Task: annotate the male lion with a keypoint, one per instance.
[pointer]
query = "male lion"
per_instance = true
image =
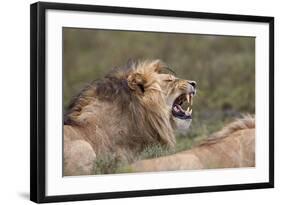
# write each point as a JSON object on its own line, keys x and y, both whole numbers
{"x": 233, "y": 146}
{"x": 128, "y": 110}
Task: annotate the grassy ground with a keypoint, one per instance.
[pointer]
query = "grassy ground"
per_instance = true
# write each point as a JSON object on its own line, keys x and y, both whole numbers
{"x": 223, "y": 66}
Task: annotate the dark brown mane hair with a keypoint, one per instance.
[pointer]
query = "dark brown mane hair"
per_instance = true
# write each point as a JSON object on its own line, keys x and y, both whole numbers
{"x": 113, "y": 87}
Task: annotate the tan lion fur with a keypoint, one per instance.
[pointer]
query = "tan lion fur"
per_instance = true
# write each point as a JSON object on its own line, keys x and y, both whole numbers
{"x": 119, "y": 115}
{"x": 233, "y": 146}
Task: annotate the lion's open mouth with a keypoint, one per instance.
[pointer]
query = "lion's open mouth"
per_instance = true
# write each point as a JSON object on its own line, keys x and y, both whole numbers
{"x": 182, "y": 106}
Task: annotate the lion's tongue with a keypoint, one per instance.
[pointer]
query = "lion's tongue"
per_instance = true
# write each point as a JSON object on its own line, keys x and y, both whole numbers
{"x": 178, "y": 108}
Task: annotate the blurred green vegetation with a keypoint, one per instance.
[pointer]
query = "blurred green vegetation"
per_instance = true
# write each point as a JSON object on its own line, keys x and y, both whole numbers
{"x": 223, "y": 66}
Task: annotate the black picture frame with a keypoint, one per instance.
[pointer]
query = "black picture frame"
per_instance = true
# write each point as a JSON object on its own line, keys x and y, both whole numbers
{"x": 38, "y": 101}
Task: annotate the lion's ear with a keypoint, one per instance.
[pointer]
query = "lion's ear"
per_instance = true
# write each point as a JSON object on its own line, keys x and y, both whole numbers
{"x": 157, "y": 65}
{"x": 136, "y": 82}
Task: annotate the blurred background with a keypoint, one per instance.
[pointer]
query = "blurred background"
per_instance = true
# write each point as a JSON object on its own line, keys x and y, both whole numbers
{"x": 223, "y": 66}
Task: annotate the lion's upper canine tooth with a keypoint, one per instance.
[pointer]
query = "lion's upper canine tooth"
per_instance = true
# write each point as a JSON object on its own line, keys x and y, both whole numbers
{"x": 191, "y": 100}
{"x": 187, "y": 97}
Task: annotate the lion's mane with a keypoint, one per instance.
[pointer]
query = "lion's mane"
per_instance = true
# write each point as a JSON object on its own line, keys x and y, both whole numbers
{"x": 121, "y": 114}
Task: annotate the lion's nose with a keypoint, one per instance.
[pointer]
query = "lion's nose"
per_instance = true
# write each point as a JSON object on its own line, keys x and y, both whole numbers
{"x": 193, "y": 83}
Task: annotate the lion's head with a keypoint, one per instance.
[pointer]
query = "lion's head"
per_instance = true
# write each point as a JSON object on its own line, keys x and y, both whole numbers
{"x": 163, "y": 92}
{"x": 139, "y": 103}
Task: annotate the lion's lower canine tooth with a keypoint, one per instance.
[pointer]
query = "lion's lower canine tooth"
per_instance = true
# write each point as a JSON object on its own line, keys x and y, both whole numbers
{"x": 190, "y": 112}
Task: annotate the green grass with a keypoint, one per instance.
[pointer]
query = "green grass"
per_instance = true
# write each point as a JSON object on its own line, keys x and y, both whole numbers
{"x": 154, "y": 151}
{"x": 108, "y": 164}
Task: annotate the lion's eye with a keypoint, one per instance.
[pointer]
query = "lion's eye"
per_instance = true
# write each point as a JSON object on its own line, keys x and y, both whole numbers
{"x": 166, "y": 77}
{"x": 168, "y": 80}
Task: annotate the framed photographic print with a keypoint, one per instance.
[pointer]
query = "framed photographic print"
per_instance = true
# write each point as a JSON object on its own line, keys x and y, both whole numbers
{"x": 129, "y": 102}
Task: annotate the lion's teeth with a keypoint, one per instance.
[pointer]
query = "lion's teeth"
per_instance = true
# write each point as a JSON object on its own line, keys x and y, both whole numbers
{"x": 187, "y": 97}
{"x": 188, "y": 111}
{"x": 191, "y": 100}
